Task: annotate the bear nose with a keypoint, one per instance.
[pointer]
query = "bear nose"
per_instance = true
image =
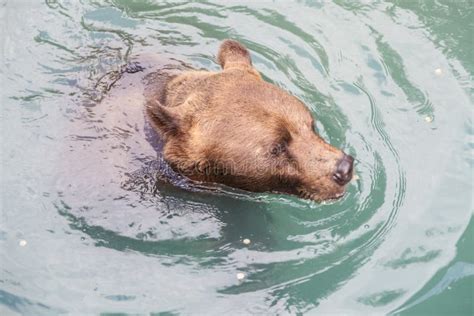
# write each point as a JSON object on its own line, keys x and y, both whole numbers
{"x": 343, "y": 172}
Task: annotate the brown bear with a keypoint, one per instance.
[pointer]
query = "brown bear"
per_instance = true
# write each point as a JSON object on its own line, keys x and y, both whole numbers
{"x": 232, "y": 127}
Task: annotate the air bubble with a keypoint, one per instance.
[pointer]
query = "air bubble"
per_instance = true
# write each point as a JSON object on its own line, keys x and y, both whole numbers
{"x": 240, "y": 276}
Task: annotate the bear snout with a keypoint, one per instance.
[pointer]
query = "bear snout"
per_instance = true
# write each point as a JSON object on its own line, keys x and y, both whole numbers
{"x": 344, "y": 168}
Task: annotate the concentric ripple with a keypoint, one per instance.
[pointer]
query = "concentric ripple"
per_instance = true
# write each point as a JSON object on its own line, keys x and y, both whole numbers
{"x": 100, "y": 231}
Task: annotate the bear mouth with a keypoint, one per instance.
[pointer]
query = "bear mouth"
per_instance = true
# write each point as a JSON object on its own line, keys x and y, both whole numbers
{"x": 319, "y": 196}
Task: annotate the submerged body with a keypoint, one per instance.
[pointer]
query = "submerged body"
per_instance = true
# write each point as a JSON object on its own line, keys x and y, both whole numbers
{"x": 234, "y": 128}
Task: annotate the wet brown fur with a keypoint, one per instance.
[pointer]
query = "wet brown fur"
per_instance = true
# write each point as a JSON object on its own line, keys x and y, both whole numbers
{"x": 234, "y": 128}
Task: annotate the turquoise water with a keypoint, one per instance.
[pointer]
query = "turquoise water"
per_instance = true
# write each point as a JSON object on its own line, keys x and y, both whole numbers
{"x": 86, "y": 229}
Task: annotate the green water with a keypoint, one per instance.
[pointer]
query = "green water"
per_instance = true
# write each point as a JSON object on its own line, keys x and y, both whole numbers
{"x": 86, "y": 230}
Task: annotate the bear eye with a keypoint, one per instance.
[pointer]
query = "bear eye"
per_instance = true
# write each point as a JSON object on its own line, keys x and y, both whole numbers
{"x": 278, "y": 149}
{"x": 313, "y": 126}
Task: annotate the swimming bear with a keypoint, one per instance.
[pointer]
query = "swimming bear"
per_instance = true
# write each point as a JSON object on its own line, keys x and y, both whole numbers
{"x": 234, "y": 128}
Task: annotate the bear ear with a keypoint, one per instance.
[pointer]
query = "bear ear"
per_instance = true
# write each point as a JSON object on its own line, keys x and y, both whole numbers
{"x": 166, "y": 122}
{"x": 233, "y": 54}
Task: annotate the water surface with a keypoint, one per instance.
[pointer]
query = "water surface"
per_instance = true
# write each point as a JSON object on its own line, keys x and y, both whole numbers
{"x": 85, "y": 228}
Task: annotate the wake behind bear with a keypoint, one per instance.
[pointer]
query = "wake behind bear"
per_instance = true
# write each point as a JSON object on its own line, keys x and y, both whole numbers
{"x": 232, "y": 127}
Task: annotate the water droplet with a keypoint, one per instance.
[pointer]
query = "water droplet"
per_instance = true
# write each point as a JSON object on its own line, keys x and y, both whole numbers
{"x": 438, "y": 71}
{"x": 429, "y": 119}
{"x": 22, "y": 243}
{"x": 246, "y": 241}
{"x": 240, "y": 276}
{"x": 366, "y": 226}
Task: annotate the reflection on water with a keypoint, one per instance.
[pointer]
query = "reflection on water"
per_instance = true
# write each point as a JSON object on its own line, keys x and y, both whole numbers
{"x": 390, "y": 83}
